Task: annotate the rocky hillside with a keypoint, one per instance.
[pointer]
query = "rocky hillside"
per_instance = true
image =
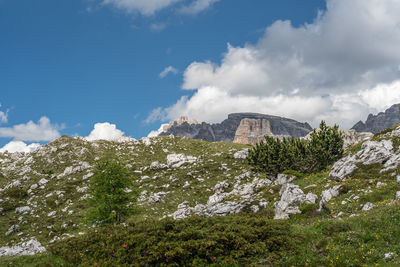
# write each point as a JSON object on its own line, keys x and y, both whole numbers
{"x": 379, "y": 122}
{"x": 245, "y": 128}
{"x": 43, "y": 193}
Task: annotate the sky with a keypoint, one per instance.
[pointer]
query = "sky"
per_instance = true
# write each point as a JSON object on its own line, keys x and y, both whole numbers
{"x": 101, "y": 69}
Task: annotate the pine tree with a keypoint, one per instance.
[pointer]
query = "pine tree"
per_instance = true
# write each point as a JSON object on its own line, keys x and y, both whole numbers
{"x": 274, "y": 156}
{"x": 109, "y": 197}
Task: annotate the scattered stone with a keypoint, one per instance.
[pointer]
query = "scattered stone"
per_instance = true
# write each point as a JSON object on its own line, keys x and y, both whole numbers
{"x": 368, "y": 206}
{"x": 242, "y": 154}
{"x": 177, "y": 160}
{"x": 263, "y": 204}
{"x": 34, "y": 186}
{"x": 186, "y": 185}
{"x": 157, "y": 166}
{"x": 389, "y": 255}
{"x": 255, "y": 208}
{"x": 23, "y": 210}
{"x": 156, "y": 197}
{"x": 284, "y": 179}
{"x": 397, "y": 195}
{"x": 51, "y": 214}
{"x": 379, "y": 184}
{"x": 220, "y": 187}
{"x": 43, "y": 181}
{"x": 13, "y": 229}
{"x": 328, "y": 195}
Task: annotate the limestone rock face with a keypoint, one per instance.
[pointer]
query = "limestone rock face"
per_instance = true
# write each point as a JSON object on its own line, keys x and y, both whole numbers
{"x": 379, "y": 122}
{"x": 227, "y": 130}
{"x": 252, "y": 131}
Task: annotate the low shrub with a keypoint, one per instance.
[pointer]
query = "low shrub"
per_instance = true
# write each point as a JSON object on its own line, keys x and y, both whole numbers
{"x": 232, "y": 240}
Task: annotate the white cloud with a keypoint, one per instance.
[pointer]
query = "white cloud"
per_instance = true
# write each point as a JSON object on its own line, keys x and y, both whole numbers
{"x": 197, "y": 6}
{"x": 104, "y": 131}
{"x": 338, "y": 68}
{"x": 150, "y": 7}
{"x": 19, "y": 146}
{"x": 156, "y": 133}
{"x": 3, "y": 116}
{"x": 30, "y": 131}
{"x": 145, "y": 7}
{"x": 167, "y": 71}
{"x": 158, "y": 27}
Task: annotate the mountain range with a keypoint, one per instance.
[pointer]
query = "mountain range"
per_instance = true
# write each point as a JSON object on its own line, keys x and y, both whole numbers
{"x": 250, "y": 128}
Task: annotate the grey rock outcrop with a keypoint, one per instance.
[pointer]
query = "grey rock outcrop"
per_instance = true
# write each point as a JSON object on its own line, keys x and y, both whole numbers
{"x": 227, "y": 130}
{"x": 30, "y": 247}
{"x": 371, "y": 152}
{"x": 217, "y": 204}
{"x": 379, "y": 122}
{"x": 291, "y": 196}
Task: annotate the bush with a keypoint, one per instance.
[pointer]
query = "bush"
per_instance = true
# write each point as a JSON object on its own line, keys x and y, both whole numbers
{"x": 109, "y": 198}
{"x": 274, "y": 156}
{"x": 223, "y": 241}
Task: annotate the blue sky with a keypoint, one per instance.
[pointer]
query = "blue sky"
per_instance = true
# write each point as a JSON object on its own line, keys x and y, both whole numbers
{"x": 81, "y": 62}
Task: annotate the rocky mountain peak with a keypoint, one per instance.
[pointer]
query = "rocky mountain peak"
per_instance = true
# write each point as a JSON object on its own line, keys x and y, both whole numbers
{"x": 379, "y": 122}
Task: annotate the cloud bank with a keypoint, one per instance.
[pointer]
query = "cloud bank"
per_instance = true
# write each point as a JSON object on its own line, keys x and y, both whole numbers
{"x": 339, "y": 68}
{"x": 104, "y": 131}
{"x": 19, "y": 146}
{"x": 30, "y": 131}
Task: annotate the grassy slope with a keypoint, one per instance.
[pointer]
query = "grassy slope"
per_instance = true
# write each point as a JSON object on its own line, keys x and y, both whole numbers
{"x": 363, "y": 238}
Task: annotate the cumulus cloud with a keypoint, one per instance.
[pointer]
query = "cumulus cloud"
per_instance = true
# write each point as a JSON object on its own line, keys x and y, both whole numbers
{"x": 30, "y": 131}
{"x": 104, "y": 131}
{"x": 167, "y": 71}
{"x": 197, "y": 6}
{"x": 338, "y": 68}
{"x": 19, "y": 146}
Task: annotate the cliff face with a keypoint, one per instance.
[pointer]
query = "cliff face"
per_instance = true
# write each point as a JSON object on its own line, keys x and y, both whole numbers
{"x": 379, "y": 122}
{"x": 254, "y": 127}
{"x": 252, "y": 131}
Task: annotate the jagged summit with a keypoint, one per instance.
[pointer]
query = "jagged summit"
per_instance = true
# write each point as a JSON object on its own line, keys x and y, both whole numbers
{"x": 247, "y": 128}
{"x": 379, "y": 122}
